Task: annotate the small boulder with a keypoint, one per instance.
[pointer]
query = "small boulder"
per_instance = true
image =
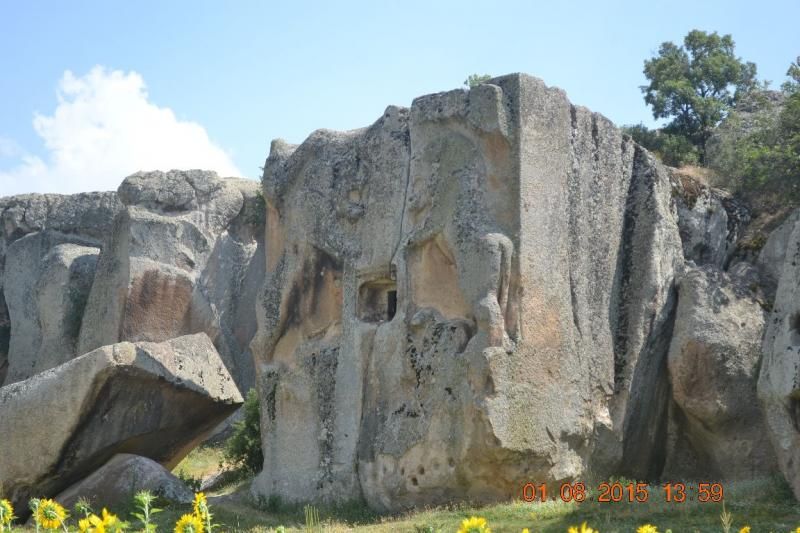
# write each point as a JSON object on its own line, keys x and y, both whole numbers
{"x": 113, "y": 485}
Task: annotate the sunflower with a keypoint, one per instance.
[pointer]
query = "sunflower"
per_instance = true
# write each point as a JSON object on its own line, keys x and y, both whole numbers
{"x": 189, "y": 523}
{"x": 91, "y": 524}
{"x": 201, "y": 506}
{"x": 583, "y": 529}
{"x": 6, "y": 513}
{"x": 745, "y": 529}
{"x": 50, "y": 514}
{"x": 474, "y": 524}
{"x": 647, "y": 528}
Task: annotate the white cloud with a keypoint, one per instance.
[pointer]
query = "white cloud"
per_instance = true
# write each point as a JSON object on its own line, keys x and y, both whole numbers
{"x": 104, "y": 129}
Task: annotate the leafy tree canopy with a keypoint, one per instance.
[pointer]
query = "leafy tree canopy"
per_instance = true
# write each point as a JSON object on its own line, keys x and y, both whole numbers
{"x": 696, "y": 84}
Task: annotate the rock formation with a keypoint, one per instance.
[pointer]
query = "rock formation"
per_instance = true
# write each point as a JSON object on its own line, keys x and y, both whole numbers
{"x": 82, "y": 220}
{"x": 717, "y": 427}
{"x": 149, "y": 399}
{"x": 491, "y": 287}
{"x": 181, "y": 258}
{"x": 462, "y": 297}
{"x": 112, "y": 484}
{"x": 171, "y": 254}
{"x": 779, "y": 381}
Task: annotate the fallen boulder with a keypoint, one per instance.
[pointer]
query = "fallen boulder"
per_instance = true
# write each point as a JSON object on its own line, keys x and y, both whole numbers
{"x": 114, "y": 484}
{"x": 157, "y": 400}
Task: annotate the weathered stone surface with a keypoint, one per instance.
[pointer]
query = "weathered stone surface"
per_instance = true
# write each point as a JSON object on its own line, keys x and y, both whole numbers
{"x": 83, "y": 218}
{"x": 717, "y": 427}
{"x": 47, "y": 280}
{"x": 710, "y": 221}
{"x": 779, "y": 380}
{"x": 772, "y": 255}
{"x": 154, "y": 400}
{"x": 181, "y": 259}
{"x": 113, "y": 485}
{"x": 462, "y": 297}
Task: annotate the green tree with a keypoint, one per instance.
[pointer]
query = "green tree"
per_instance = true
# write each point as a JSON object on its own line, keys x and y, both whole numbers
{"x": 758, "y": 149}
{"x": 243, "y": 448}
{"x": 473, "y": 80}
{"x": 696, "y": 84}
{"x": 674, "y": 150}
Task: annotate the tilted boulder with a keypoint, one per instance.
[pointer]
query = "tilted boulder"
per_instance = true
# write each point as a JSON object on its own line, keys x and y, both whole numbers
{"x": 113, "y": 485}
{"x": 181, "y": 259}
{"x": 717, "y": 427}
{"x": 779, "y": 380}
{"x": 465, "y": 296}
{"x": 158, "y": 400}
{"x": 83, "y": 219}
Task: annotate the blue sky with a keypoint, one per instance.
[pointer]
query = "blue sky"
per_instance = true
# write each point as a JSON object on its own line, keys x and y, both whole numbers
{"x": 202, "y": 83}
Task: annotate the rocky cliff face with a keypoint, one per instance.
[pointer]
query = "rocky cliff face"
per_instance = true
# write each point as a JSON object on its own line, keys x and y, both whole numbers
{"x": 489, "y": 288}
{"x": 482, "y": 290}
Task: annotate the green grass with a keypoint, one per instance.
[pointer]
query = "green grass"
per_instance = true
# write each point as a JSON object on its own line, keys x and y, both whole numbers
{"x": 766, "y": 505}
{"x": 201, "y": 462}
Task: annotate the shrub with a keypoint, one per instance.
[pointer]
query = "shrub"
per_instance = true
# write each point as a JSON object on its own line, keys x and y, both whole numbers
{"x": 672, "y": 148}
{"x": 243, "y": 448}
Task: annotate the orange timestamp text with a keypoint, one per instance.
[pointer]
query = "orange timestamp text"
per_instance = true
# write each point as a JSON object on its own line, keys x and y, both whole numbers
{"x": 629, "y": 492}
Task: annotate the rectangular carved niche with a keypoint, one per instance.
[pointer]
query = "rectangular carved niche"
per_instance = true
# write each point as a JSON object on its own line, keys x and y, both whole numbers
{"x": 377, "y": 300}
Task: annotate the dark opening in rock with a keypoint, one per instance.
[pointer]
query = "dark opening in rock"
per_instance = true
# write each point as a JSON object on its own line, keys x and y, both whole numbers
{"x": 377, "y": 300}
{"x": 794, "y": 325}
{"x": 391, "y": 304}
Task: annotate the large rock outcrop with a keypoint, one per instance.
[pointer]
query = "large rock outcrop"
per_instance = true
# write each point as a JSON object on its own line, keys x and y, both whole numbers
{"x": 154, "y": 400}
{"x": 82, "y": 220}
{"x": 779, "y": 380}
{"x": 717, "y": 426}
{"x": 462, "y": 297}
{"x": 181, "y": 258}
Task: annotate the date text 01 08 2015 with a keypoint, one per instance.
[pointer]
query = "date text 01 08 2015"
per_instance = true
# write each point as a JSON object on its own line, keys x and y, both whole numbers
{"x": 615, "y": 492}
